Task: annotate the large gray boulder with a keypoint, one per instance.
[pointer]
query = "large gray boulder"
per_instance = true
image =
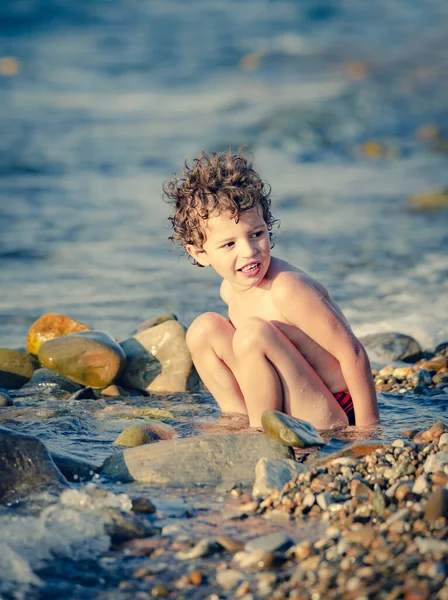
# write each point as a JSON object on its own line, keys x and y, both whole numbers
{"x": 205, "y": 459}
{"x": 389, "y": 346}
{"x": 157, "y": 358}
{"x": 26, "y": 468}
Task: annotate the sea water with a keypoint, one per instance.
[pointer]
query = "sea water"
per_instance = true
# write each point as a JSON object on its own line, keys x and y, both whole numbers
{"x": 104, "y": 100}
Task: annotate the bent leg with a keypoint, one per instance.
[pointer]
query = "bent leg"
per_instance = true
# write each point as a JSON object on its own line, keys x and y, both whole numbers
{"x": 209, "y": 340}
{"x": 273, "y": 374}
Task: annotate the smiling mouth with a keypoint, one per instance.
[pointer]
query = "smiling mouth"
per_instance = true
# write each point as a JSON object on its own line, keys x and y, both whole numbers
{"x": 250, "y": 268}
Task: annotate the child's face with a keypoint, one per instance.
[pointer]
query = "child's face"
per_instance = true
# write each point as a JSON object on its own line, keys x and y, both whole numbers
{"x": 238, "y": 251}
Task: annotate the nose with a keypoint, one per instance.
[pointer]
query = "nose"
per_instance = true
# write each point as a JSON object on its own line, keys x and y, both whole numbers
{"x": 247, "y": 248}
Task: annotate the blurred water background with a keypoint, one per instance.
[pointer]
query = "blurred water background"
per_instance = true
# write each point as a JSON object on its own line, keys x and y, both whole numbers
{"x": 100, "y": 101}
{"x": 344, "y": 107}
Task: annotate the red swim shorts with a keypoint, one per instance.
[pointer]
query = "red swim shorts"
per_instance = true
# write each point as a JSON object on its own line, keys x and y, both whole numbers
{"x": 346, "y": 403}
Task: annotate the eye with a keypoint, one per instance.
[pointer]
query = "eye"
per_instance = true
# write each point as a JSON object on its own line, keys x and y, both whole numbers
{"x": 228, "y": 245}
{"x": 258, "y": 234}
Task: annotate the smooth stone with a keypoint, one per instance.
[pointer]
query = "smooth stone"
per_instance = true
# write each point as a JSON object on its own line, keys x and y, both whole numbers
{"x": 443, "y": 440}
{"x": 421, "y": 485}
{"x": 5, "y": 400}
{"x": 436, "y": 462}
{"x": 164, "y": 343}
{"x": 26, "y": 413}
{"x": 155, "y": 321}
{"x": 52, "y": 381}
{"x": 205, "y": 459}
{"x": 431, "y": 545}
{"x": 143, "y": 506}
{"x": 148, "y": 433}
{"x": 16, "y": 368}
{"x": 290, "y": 431}
{"x": 437, "y": 505}
{"x": 229, "y": 578}
{"x": 273, "y": 542}
{"x": 124, "y": 411}
{"x": 272, "y": 475}
{"x": 256, "y": 559}
{"x": 91, "y": 358}
{"x": 26, "y": 468}
{"x": 86, "y": 393}
{"x": 204, "y": 547}
{"x": 49, "y": 327}
{"x": 74, "y": 468}
{"x": 391, "y": 345}
{"x": 122, "y": 526}
{"x": 352, "y": 451}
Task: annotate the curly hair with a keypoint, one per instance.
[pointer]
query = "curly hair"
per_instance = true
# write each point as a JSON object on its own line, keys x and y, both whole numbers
{"x": 212, "y": 185}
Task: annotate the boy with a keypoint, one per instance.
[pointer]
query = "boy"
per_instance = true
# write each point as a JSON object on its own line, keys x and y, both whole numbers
{"x": 286, "y": 345}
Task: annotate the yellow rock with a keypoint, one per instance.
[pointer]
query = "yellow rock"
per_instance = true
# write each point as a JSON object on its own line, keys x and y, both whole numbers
{"x": 435, "y": 364}
{"x": 124, "y": 411}
{"x": 386, "y": 371}
{"x": 91, "y": 358}
{"x": 430, "y": 200}
{"x": 148, "y": 433}
{"x": 16, "y": 368}
{"x": 51, "y": 326}
{"x": 402, "y": 372}
{"x": 373, "y": 149}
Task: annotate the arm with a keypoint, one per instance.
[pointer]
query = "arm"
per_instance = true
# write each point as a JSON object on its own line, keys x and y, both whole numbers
{"x": 306, "y": 308}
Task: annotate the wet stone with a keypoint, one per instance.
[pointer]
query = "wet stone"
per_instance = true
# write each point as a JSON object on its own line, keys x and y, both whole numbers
{"x": 275, "y": 542}
{"x": 207, "y": 459}
{"x": 391, "y": 346}
{"x": 290, "y": 431}
{"x": 273, "y": 474}
{"x": 16, "y": 368}
{"x": 51, "y": 326}
{"x": 148, "y": 433}
{"x": 158, "y": 360}
{"x": 26, "y": 468}
{"x": 46, "y": 379}
{"x": 5, "y": 400}
{"x": 91, "y": 358}
{"x": 437, "y": 505}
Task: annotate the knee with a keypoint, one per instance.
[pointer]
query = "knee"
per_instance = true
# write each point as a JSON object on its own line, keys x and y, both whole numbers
{"x": 251, "y": 336}
{"x": 202, "y": 330}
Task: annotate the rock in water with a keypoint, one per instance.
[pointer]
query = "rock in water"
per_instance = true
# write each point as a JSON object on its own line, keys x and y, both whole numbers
{"x": 88, "y": 357}
{"x": 205, "y": 459}
{"x": 387, "y": 346}
{"x": 157, "y": 359}
{"x": 289, "y": 430}
{"x": 51, "y": 326}
{"x": 137, "y": 435}
{"x": 46, "y": 379}
{"x": 26, "y": 468}
{"x": 74, "y": 468}
{"x": 16, "y": 368}
{"x": 272, "y": 475}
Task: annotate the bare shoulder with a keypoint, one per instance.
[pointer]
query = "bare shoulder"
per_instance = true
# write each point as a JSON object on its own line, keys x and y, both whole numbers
{"x": 287, "y": 280}
{"x": 225, "y": 291}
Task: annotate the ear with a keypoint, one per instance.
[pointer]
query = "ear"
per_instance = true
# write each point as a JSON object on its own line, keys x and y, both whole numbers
{"x": 199, "y": 254}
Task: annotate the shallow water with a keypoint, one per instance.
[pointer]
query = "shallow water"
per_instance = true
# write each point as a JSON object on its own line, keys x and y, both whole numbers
{"x": 109, "y": 99}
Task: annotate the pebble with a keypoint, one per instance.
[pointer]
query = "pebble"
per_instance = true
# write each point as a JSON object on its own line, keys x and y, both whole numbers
{"x": 274, "y": 542}
{"x": 389, "y": 508}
